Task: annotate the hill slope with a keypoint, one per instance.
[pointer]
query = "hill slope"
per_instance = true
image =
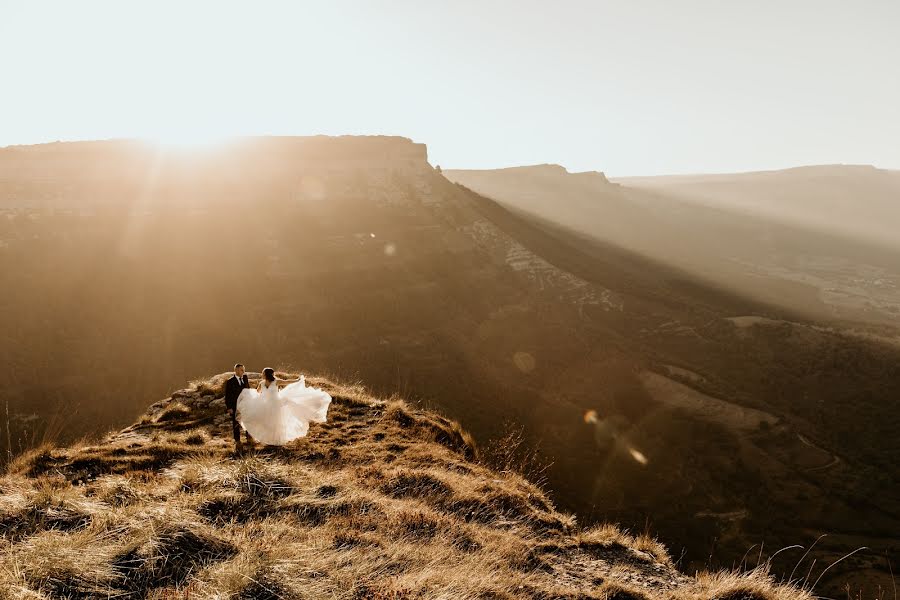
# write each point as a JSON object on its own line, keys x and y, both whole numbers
{"x": 354, "y": 256}
{"x": 818, "y": 240}
{"x": 383, "y": 501}
{"x": 857, "y": 201}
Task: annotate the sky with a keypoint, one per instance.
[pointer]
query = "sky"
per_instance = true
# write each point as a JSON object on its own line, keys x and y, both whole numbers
{"x": 636, "y": 87}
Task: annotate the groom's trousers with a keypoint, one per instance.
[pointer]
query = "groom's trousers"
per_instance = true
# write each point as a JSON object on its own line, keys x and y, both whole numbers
{"x": 235, "y": 427}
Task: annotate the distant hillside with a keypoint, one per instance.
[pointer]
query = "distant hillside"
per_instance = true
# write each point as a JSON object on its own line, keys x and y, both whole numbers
{"x": 855, "y": 201}
{"x": 383, "y": 501}
{"x": 818, "y": 241}
{"x": 653, "y": 395}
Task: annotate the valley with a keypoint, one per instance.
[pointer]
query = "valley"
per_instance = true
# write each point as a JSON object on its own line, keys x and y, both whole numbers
{"x": 794, "y": 238}
{"x": 717, "y": 413}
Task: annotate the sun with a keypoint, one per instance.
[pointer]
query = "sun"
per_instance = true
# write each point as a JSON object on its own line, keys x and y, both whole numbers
{"x": 188, "y": 140}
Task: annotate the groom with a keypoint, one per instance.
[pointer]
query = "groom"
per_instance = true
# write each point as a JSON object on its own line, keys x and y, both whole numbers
{"x": 233, "y": 388}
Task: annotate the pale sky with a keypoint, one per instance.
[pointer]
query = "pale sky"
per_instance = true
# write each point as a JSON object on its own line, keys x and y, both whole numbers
{"x": 636, "y": 87}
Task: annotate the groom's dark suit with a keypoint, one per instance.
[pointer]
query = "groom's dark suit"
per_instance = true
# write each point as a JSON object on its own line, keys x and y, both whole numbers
{"x": 233, "y": 388}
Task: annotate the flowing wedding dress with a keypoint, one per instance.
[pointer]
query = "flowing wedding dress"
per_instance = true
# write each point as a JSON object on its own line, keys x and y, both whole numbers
{"x": 276, "y": 417}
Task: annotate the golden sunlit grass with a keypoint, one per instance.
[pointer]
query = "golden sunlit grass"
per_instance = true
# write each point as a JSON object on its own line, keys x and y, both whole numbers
{"x": 753, "y": 585}
{"x": 383, "y": 501}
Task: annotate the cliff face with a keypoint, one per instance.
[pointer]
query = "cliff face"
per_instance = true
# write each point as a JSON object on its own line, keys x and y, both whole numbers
{"x": 120, "y": 173}
{"x": 533, "y": 182}
{"x": 383, "y": 501}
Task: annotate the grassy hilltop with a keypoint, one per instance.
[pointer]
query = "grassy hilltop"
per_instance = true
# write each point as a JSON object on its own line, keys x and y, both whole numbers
{"x": 383, "y": 501}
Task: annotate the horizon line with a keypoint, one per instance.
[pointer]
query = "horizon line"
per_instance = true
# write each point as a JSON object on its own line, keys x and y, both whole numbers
{"x": 213, "y": 141}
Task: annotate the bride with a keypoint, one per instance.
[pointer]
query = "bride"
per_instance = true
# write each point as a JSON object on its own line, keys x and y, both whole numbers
{"x": 276, "y": 417}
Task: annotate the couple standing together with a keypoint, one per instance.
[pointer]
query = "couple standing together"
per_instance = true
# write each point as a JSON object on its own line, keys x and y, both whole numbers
{"x": 270, "y": 415}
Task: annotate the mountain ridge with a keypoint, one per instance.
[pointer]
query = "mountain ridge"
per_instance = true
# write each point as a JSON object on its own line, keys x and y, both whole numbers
{"x": 813, "y": 169}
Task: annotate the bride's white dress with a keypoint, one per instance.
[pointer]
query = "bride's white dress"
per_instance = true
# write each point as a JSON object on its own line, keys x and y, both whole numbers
{"x": 276, "y": 417}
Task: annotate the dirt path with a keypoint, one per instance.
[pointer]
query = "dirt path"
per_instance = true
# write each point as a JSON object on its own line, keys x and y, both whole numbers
{"x": 834, "y": 458}
{"x": 678, "y": 395}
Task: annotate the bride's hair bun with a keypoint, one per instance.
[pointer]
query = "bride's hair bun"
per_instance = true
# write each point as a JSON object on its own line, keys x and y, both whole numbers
{"x": 269, "y": 374}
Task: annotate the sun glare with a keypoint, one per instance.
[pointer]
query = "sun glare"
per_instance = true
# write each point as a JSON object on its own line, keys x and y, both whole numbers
{"x": 188, "y": 141}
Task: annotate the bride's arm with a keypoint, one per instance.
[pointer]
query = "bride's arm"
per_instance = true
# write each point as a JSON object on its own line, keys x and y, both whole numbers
{"x": 289, "y": 381}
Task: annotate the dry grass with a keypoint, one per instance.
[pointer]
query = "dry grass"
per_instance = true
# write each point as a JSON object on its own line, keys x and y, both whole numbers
{"x": 383, "y": 501}
{"x": 752, "y": 585}
{"x": 605, "y": 538}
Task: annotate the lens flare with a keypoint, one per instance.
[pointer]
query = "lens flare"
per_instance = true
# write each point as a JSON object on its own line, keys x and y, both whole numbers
{"x": 638, "y": 456}
{"x": 524, "y": 361}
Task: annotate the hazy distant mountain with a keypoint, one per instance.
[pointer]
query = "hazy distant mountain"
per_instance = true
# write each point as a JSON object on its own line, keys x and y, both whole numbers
{"x": 656, "y": 394}
{"x": 816, "y": 240}
{"x": 857, "y": 201}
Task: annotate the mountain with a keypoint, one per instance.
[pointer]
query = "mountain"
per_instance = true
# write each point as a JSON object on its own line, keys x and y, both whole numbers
{"x": 383, "y": 501}
{"x": 816, "y": 240}
{"x": 652, "y": 395}
{"x": 855, "y": 201}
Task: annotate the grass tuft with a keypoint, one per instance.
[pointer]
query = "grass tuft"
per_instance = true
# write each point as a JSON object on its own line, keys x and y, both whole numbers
{"x": 176, "y": 411}
{"x": 421, "y": 485}
{"x": 168, "y": 557}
